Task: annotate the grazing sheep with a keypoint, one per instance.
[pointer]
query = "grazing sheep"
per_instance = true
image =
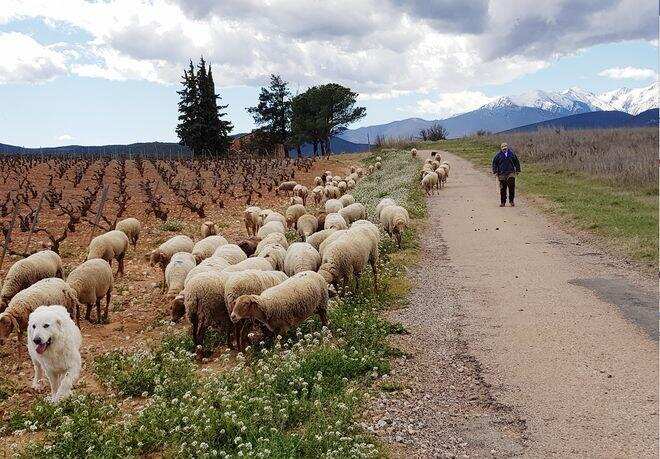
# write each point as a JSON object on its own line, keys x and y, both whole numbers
{"x": 209, "y": 265}
{"x": 317, "y": 194}
{"x": 273, "y": 238}
{"x": 301, "y": 191}
{"x": 350, "y": 184}
{"x": 353, "y": 212}
{"x": 27, "y": 271}
{"x": 208, "y": 229}
{"x": 306, "y": 225}
{"x": 176, "y": 271}
{"x": 286, "y": 187}
{"x": 274, "y": 217}
{"x": 295, "y": 200}
{"x": 377, "y": 166}
{"x": 332, "y": 192}
{"x": 413, "y": 152}
{"x": 110, "y": 246}
{"x": 317, "y": 238}
{"x": 378, "y": 159}
{"x": 161, "y": 256}
{"x": 253, "y": 220}
{"x": 207, "y": 247}
{"x": 336, "y": 221}
{"x": 250, "y": 263}
{"x": 382, "y": 204}
{"x": 231, "y": 253}
{"x": 318, "y": 181}
{"x": 349, "y": 254}
{"x": 347, "y": 200}
{"x": 435, "y": 165}
{"x": 301, "y": 256}
{"x": 330, "y": 239}
{"x": 274, "y": 254}
{"x": 93, "y": 281}
{"x": 249, "y": 245}
{"x": 131, "y": 228}
{"x": 320, "y": 218}
{"x": 287, "y": 304}
{"x": 370, "y": 170}
{"x": 342, "y": 186}
{"x": 45, "y": 292}
{"x": 293, "y": 213}
{"x": 271, "y": 227}
{"x": 429, "y": 182}
{"x": 395, "y": 220}
{"x": 333, "y": 205}
{"x": 204, "y": 303}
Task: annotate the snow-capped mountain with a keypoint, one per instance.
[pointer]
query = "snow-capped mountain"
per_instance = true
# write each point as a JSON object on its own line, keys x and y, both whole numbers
{"x": 633, "y": 101}
{"x": 570, "y": 101}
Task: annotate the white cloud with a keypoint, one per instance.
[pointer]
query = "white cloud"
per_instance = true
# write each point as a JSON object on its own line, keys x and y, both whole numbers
{"x": 64, "y": 137}
{"x": 633, "y": 73}
{"x": 450, "y": 104}
{"x": 24, "y": 60}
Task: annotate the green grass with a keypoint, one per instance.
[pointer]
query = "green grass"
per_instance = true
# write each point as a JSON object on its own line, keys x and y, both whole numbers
{"x": 626, "y": 220}
{"x": 172, "y": 225}
{"x": 299, "y": 396}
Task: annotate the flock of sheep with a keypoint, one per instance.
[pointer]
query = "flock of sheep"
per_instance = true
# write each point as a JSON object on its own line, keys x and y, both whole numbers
{"x": 434, "y": 173}
{"x": 259, "y": 286}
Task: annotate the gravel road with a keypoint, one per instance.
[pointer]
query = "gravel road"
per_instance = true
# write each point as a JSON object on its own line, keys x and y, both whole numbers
{"x": 523, "y": 340}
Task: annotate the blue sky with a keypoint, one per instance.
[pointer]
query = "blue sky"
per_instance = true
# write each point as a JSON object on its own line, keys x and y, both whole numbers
{"x": 89, "y": 73}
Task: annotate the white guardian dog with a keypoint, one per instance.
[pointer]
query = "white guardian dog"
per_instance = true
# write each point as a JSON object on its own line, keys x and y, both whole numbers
{"x": 54, "y": 345}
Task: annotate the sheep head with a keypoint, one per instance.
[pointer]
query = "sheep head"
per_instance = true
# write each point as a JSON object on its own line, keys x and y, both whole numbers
{"x": 178, "y": 308}
{"x": 7, "y": 325}
{"x": 245, "y": 306}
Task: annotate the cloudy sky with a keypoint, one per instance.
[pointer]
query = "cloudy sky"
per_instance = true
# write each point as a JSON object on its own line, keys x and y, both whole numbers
{"x": 97, "y": 72}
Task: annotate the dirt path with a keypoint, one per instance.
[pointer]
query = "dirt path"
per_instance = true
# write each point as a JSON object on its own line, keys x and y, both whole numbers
{"x": 523, "y": 340}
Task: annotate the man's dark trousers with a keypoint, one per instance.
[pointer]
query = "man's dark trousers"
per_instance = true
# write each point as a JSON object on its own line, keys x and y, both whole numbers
{"x": 510, "y": 183}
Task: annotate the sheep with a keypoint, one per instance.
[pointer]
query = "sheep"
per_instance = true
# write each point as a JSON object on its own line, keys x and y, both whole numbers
{"x": 347, "y": 200}
{"x": 204, "y": 303}
{"x": 295, "y": 200}
{"x": 332, "y": 192}
{"x": 429, "y": 182}
{"x": 273, "y": 238}
{"x": 413, "y": 152}
{"x": 378, "y": 159}
{"x": 317, "y": 194}
{"x": 231, "y": 253}
{"x": 352, "y": 169}
{"x": 253, "y": 220}
{"x": 302, "y": 192}
{"x": 131, "y": 228}
{"x": 370, "y": 170}
{"x": 161, "y": 256}
{"x": 46, "y": 292}
{"x": 377, "y": 166}
{"x": 287, "y": 304}
{"x": 395, "y": 220}
{"x": 301, "y": 256}
{"x": 353, "y": 212}
{"x": 92, "y": 281}
{"x": 176, "y": 271}
{"x": 27, "y": 271}
{"x": 382, "y": 204}
{"x": 349, "y": 254}
{"x": 317, "y": 238}
{"x": 286, "y": 187}
{"x": 435, "y": 165}
{"x": 333, "y": 205}
{"x": 441, "y": 172}
{"x": 212, "y": 264}
{"x": 342, "y": 187}
{"x": 274, "y": 217}
{"x": 208, "y": 229}
{"x": 336, "y": 221}
{"x": 249, "y": 245}
{"x": 330, "y": 239}
{"x": 271, "y": 227}
{"x": 320, "y": 218}
{"x": 206, "y": 247}
{"x": 293, "y": 213}
{"x": 318, "y": 181}
{"x": 110, "y": 246}
{"x": 275, "y": 255}
{"x": 250, "y": 263}
{"x": 306, "y": 225}
{"x": 350, "y": 184}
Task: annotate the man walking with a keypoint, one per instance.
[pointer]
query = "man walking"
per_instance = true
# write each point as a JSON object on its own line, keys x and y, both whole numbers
{"x": 506, "y": 166}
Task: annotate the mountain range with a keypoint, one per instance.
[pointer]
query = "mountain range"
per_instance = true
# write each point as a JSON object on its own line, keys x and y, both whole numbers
{"x": 509, "y": 112}
{"x": 595, "y": 120}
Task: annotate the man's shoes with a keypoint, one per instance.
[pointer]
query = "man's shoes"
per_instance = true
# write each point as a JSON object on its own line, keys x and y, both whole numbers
{"x": 502, "y": 205}
{"x": 512, "y": 204}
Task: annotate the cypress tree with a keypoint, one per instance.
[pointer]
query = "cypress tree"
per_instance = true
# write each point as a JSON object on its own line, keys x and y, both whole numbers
{"x": 188, "y": 128}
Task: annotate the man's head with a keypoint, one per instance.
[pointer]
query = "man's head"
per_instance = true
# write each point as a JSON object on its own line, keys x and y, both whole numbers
{"x": 504, "y": 146}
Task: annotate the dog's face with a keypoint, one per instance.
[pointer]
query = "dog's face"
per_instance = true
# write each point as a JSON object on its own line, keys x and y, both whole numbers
{"x": 42, "y": 331}
{"x": 243, "y": 307}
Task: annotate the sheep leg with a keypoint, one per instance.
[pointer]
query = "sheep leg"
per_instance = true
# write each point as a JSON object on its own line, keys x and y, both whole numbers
{"x": 88, "y": 314}
{"x": 37, "y": 381}
{"x": 120, "y": 269}
{"x": 98, "y": 310}
{"x": 374, "y": 268}
{"x": 59, "y": 273}
{"x": 323, "y": 315}
{"x": 356, "y": 275}
{"x": 107, "y": 305}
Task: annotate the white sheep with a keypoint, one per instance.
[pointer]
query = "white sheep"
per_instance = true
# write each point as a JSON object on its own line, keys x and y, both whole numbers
{"x": 27, "y": 271}
{"x": 287, "y": 304}
{"x": 295, "y": 200}
{"x": 318, "y": 181}
{"x": 306, "y": 225}
{"x": 350, "y": 184}
{"x": 382, "y": 204}
{"x": 293, "y": 213}
{"x": 330, "y": 239}
{"x": 273, "y": 238}
{"x": 395, "y": 220}
{"x": 286, "y": 187}
{"x": 274, "y": 254}
{"x": 301, "y": 191}
{"x": 301, "y": 256}
{"x": 333, "y": 205}
{"x": 208, "y": 228}
{"x": 441, "y": 172}
{"x": 413, "y": 152}
{"x": 269, "y": 216}
{"x": 378, "y": 159}
{"x": 204, "y": 305}
{"x": 318, "y": 237}
{"x": 45, "y": 292}
{"x": 176, "y": 271}
{"x": 250, "y": 263}
{"x": 93, "y": 281}
{"x": 347, "y": 200}
{"x": 131, "y": 227}
{"x": 336, "y": 221}
{"x": 271, "y": 227}
{"x": 377, "y": 166}
{"x": 212, "y": 264}
{"x": 353, "y": 212}
{"x": 231, "y": 253}
{"x": 110, "y": 246}
{"x": 429, "y": 182}
{"x": 206, "y": 247}
{"x": 161, "y": 255}
{"x": 318, "y": 194}
{"x": 253, "y": 220}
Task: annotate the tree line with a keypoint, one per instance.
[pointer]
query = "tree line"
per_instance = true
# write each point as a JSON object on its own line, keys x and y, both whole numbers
{"x": 284, "y": 121}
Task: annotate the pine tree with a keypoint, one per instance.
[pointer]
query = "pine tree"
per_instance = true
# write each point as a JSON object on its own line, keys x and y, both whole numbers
{"x": 188, "y": 129}
{"x": 273, "y": 113}
{"x": 219, "y": 128}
